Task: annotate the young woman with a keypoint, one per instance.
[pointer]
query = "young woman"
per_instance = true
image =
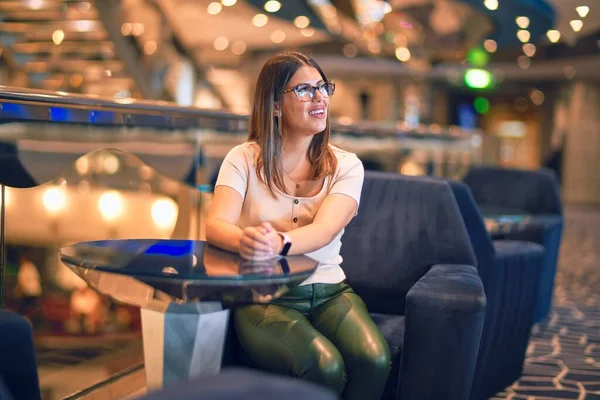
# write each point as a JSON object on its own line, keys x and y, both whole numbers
{"x": 288, "y": 191}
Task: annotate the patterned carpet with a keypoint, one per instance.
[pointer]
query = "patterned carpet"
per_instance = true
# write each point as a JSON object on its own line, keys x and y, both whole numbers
{"x": 563, "y": 358}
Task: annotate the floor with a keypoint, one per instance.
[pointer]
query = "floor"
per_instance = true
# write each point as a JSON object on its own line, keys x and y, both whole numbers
{"x": 66, "y": 367}
{"x": 563, "y": 358}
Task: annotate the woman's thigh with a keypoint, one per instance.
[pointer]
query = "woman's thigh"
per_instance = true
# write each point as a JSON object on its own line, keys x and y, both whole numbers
{"x": 282, "y": 340}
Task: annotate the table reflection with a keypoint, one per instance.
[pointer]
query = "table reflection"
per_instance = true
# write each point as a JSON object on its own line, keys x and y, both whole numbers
{"x": 499, "y": 225}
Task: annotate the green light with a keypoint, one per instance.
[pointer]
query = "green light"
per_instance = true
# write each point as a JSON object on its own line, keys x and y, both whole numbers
{"x": 478, "y": 57}
{"x": 482, "y": 105}
{"x": 478, "y": 78}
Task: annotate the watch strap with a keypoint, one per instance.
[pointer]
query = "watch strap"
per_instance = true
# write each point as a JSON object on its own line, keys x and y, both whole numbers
{"x": 287, "y": 243}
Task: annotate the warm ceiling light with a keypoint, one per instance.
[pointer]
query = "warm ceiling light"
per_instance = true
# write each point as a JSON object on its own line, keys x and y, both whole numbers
{"x": 260, "y": 20}
{"x": 491, "y": 4}
{"x": 582, "y": 11}
{"x": 524, "y": 62}
{"x": 54, "y": 200}
{"x": 529, "y": 49}
{"x": 576, "y": 24}
{"x": 58, "y": 36}
{"x": 272, "y": 6}
{"x": 350, "y": 50}
{"x": 35, "y": 4}
{"x": 553, "y": 35}
{"x": 111, "y": 205}
{"x": 126, "y": 29}
{"x": 301, "y": 21}
{"x": 214, "y": 8}
{"x": 138, "y": 29}
{"x": 307, "y": 32}
{"x": 490, "y": 45}
{"x": 570, "y": 72}
{"x": 164, "y": 213}
{"x": 403, "y": 54}
{"x": 76, "y": 80}
{"x": 374, "y": 46}
{"x": 238, "y": 48}
{"x": 537, "y": 97}
{"x": 228, "y": 3}
{"x": 150, "y": 47}
{"x": 524, "y": 35}
{"x": 84, "y": 25}
{"x": 387, "y": 8}
{"x": 221, "y": 43}
{"x": 277, "y": 36}
{"x": 522, "y": 22}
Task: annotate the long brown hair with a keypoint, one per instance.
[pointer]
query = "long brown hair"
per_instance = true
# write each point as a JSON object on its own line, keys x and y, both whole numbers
{"x": 266, "y": 128}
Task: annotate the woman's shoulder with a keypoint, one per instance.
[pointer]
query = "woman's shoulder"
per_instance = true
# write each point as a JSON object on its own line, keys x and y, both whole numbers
{"x": 246, "y": 150}
{"x": 346, "y": 159}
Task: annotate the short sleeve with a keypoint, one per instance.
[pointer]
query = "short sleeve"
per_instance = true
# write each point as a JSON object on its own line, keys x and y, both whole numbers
{"x": 234, "y": 171}
{"x": 350, "y": 176}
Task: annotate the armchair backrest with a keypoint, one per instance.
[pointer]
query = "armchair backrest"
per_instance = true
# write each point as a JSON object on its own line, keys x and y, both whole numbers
{"x": 404, "y": 226}
{"x": 506, "y": 190}
{"x": 483, "y": 247}
{"x": 12, "y": 172}
{"x": 18, "y": 370}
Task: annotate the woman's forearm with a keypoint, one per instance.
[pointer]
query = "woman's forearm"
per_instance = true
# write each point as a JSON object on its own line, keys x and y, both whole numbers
{"x": 223, "y": 235}
{"x": 310, "y": 238}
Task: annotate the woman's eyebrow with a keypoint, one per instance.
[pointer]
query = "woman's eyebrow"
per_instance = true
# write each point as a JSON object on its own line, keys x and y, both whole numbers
{"x": 306, "y": 83}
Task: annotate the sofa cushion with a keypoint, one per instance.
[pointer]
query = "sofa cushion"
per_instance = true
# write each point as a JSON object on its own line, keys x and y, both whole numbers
{"x": 241, "y": 383}
{"x": 392, "y": 328}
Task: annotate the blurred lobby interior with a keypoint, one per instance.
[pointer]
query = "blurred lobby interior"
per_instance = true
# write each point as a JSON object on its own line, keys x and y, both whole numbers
{"x": 115, "y": 116}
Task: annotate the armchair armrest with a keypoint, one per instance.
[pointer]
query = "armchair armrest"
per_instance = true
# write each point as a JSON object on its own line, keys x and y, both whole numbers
{"x": 444, "y": 313}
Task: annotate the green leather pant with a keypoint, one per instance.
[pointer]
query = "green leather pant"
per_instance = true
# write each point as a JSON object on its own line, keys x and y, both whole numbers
{"x": 319, "y": 332}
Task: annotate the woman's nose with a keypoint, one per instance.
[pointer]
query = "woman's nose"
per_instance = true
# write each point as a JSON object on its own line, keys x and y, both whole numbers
{"x": 318, "y": 96}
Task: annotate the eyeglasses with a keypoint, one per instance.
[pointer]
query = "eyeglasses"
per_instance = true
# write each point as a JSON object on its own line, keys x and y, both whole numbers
{"x": 306, "y": 92}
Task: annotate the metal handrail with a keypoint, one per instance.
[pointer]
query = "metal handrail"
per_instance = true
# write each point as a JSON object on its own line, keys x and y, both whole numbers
{"x": 50, "y": 106}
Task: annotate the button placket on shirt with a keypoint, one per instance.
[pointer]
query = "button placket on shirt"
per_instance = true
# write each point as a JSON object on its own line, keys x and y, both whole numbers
{"x": 295, "y": 212}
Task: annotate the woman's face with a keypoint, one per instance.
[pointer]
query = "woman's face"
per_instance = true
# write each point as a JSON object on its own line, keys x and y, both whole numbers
{"x": 304, "y": 118}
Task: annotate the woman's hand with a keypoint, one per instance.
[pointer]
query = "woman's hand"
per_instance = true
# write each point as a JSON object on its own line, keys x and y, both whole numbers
{"x": 260, "y": 243}
{"x": 274, "y": 238}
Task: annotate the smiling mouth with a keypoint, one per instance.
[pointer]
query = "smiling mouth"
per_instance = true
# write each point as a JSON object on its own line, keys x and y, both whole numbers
{"x": 320, "y": 111}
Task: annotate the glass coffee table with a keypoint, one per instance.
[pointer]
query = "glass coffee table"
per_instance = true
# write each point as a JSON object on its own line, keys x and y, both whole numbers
{"x": 185, "y": 289}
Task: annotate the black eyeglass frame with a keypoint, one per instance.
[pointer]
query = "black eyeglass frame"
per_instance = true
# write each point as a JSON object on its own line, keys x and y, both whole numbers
{"x": 313, "y": 90}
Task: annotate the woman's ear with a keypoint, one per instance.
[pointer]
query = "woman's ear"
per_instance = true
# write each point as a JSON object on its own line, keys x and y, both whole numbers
{"x": 276, "y": 110}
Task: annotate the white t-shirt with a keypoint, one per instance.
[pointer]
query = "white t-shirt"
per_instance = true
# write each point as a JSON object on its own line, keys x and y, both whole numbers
{"x": 287, "y": 212}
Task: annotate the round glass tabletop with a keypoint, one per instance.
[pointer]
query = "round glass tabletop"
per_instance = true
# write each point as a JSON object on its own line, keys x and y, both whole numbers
{"x": 155, "y": 272}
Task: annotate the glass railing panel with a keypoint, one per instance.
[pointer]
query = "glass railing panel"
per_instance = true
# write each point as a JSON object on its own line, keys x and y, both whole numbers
{"x": 106, "y": 193}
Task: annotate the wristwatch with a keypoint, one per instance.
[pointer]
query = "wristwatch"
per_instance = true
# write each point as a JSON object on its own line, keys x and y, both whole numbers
{"x": 287, "y": 243}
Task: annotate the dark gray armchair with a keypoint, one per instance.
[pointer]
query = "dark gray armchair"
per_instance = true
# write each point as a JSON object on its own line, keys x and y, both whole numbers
{"x": 509, "y": 270}
{"x": 408, "y": 255}
{"x": 535, "y": 194}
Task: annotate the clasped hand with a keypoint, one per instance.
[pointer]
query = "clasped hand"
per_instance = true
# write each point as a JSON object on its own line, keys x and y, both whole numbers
{"x": 260, "y": 243}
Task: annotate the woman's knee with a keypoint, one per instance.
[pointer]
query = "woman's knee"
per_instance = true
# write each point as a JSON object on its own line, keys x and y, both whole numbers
{"x": 324, "y": 365}
{"x": 373, "y": 358}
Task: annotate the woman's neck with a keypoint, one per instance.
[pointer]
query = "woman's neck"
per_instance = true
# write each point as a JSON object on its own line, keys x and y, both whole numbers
{"x": 295, "y": 147}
